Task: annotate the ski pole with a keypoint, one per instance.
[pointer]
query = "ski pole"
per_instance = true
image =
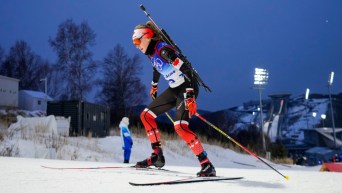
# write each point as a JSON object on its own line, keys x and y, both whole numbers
{"x": 238, "y": 144}
{"x": 168, "y": 115}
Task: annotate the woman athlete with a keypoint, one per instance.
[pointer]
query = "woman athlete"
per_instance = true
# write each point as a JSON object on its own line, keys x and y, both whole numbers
{"x": 181, "y": 93}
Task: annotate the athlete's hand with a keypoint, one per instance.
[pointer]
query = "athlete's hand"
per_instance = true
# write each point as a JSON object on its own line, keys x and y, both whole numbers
{"x": 153, "y": 91}
{"x": 190, "y": 102}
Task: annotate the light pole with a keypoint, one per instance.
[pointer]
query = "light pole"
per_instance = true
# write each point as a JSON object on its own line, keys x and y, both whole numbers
{"x": 323, "y": 116}
{"x": 45, "y": 82}
{"x": 314, "y": 116}
{"x": 307, "y": 106}
{"x": 331, "y": 79}
{"x": 260, "y": 79}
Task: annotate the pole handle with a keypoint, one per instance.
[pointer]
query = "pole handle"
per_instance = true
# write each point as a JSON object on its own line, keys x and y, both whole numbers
{"x": 142, "y": 7}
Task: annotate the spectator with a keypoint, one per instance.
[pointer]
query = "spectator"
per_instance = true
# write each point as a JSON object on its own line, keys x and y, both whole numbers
{"x": 126, "y": 138}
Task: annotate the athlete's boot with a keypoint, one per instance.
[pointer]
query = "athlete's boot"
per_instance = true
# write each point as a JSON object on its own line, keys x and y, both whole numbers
{"x": 156, "y": 159}
{"x": 207, "y": 168}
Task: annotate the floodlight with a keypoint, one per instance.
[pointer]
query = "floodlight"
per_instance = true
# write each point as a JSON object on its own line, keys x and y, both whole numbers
{"x": 260, "y": 79}
{"x": 323, "y": 116}
{"x": 331, "y": 78}
{"x": 260, "y": 76}
{"x": 307, "y": 94}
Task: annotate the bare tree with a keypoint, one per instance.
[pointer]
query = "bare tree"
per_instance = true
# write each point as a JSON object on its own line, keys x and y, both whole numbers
{"x": 121, "y": 87}
{"x": 25, "y": 65}
{"x": 55, "y": 85}
{"x": 75, "y": 63}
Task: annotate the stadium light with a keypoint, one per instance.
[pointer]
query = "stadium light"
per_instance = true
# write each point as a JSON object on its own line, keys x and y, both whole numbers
{"x": 330, "y": 81}
{"x": 314, "y": 114}
{"x": 260, "y": 76}
{"x": 307, "y": 106}
{"x": 307, "y": 94}
{"x": 261, "y": 79}
{"x": 323, "y": 117}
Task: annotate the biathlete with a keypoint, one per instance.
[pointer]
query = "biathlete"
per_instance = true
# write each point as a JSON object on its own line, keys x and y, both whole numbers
{"x": 181, "y": 93}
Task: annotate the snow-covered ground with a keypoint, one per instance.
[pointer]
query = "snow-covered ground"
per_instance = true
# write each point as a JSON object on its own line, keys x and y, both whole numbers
{"x": 23, "y": 173}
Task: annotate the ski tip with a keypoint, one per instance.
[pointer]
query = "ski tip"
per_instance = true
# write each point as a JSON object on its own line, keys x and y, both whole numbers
{"x": 287, "y": 177}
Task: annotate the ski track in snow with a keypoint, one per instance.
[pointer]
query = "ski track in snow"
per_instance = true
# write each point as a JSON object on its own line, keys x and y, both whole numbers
{"x": 22, "y": 175}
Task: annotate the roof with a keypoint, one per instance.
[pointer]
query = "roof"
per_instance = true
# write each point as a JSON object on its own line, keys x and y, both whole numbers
{"x": 280, "y": 95}
{"x": 9, "y": 78}
{"x": 322, "y": 129}
{"x": 37, "y": 94}
{"x": 319, "y": 150}
{"x": 326, "y": 134}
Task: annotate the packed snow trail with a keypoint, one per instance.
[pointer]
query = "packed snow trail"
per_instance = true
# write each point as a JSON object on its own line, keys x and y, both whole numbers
{"x": 22, "y": 175}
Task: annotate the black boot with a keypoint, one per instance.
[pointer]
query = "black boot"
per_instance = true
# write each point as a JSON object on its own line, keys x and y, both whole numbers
{"x": 126, "y": 161}
{"x": 207, "y": 170}
{"x": 156, "y": 159}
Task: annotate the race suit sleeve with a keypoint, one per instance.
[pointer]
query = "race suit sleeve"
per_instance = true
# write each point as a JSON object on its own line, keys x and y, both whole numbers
{"x": 156, "y": 76}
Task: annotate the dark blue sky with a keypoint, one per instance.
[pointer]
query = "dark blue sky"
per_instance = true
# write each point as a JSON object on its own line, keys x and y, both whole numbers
{"x": 299, "y": 42}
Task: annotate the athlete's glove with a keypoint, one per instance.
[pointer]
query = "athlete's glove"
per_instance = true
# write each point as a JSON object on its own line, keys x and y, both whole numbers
{"x": 189, "y": 100}
{"x": 153, "y": 91}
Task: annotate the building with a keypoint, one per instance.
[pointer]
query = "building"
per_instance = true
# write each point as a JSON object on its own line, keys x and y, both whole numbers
{"x": 318, "y": 145}
{"x": 9, "y": 92}
{"x": 87, "y": 119}
{"x": 33, "y": 100}
{"x": 323, "y": 137}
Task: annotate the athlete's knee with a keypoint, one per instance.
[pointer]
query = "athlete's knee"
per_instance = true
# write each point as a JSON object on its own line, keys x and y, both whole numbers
{"x": 181, "y": 127}
{"x": 147, "y": 115}
{"x": 142, "y": 115}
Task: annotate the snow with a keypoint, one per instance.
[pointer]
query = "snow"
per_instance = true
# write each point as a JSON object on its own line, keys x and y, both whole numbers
{"x": 21, "y": 175}
{"x": 299, "y": 116}
{"x": 24, "y": 173}
{"x": 37, "y": 94}
{"x": 306, "y": 120}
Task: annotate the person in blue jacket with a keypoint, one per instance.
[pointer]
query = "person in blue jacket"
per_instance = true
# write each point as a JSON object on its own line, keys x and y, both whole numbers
{"x": 126, "y": 138}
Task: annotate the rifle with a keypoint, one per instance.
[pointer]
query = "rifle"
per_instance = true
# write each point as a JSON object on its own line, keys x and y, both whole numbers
{"x": 167, "y": 39}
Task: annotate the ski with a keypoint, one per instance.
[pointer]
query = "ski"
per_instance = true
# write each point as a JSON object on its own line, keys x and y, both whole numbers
{"x": 83, "y": 168}
{"x": 115, "y": 167}
{"x": 185, "y": 181}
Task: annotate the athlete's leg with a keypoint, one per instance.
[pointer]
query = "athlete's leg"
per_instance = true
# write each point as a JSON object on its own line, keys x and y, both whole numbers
{"x": 181, "y": 125}
{"x": 161, "y": 104}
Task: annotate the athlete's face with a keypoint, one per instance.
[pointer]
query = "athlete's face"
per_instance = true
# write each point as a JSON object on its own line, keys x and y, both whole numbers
{"x": 144, "y": 42}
